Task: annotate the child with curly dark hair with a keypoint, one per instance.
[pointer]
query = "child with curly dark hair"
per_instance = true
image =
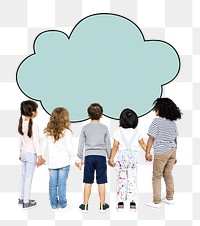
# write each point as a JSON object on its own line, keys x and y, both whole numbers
{"x": 163, "y": 136}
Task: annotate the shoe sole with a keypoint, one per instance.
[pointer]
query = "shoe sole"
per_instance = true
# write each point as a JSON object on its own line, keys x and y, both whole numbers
{"x": 65, "y": 209}
{"x": 154, "y": 207}
{"x": 28, "y": 208}
{"x": 168, "y": 203}
{"x": 84, "y": 211}
{"x": 133, "y": 210}
{"x": 120, "y": 210}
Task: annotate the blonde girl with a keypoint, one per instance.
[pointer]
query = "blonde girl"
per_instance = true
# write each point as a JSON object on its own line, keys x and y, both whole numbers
{"x": 57, "y": 146}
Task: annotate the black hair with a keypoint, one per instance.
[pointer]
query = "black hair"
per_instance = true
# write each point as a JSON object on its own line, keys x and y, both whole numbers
{"x": 128, "y": 119}
{"x": 167, "y": 109}
{"x": 95, "y": 111}
{"x": 27, "y": 108}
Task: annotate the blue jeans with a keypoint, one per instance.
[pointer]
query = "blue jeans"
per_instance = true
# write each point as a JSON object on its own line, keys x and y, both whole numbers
{"x": 57, "y": 187}
{"x": 28, "y": 161}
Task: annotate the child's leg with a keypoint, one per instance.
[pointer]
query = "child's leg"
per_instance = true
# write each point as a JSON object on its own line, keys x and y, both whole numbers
{"x": 158, "y": 167}
{"x": 167, "y": 174}
{"x": 102, "y": 193}
{"x": 62, "y": 179}
{"x": 87, "y": 192}
{"x": 21, "y": 187}
{"x": 132, "y": 178}
{"x": 53, "y": 181}
{"x": 121, "y": 169}
{"x": 30, "y": 160}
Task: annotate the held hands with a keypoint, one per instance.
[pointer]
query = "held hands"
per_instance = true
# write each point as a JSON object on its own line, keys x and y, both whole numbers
{"x": 79, "y": 164}
{"x": 111, "y": 162}
{"x": 40, "y": 161}
{"x": 148, "y": 157}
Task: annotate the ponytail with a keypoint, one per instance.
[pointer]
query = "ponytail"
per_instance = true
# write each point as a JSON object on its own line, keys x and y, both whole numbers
{"x": 20, "y": 126}
{"x": 30, "y": 127}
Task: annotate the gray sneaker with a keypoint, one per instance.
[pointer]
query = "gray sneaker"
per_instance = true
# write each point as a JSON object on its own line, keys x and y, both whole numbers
{"x": 29, "y": 205}
{"x": 21, "y": 201}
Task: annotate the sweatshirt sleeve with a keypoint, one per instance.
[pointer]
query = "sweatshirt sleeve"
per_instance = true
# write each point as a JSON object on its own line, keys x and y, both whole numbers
{"x": 36, "y": 139}
{"x": 81, "y": 144}
{"x": 108, "y": 144}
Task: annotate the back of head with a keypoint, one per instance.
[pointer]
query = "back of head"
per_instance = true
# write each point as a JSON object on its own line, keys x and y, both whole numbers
{"x": 27, "y": 108}
{"x": 59, "y": 121}
{"x": 128, "y": 119}
{"x": 167, "y": 109}
{"x": 95, "y": 111}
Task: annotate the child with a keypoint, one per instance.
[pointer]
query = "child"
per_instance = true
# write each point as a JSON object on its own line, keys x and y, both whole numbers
{"x": 95, "y": 139}
{"x": 163, "y": 136}
{"x": 126, "y": 139}
{"x": 58, "y": 143}
{"x": 29, "y": 150}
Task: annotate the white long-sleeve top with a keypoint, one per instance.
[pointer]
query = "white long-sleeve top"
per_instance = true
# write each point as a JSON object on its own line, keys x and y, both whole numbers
{"x": 28, "y": 144}
{"x": 58, "y": 154}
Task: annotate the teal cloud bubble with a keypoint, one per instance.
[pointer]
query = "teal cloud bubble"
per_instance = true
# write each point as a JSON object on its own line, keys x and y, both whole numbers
{"x": 106, "y": 60}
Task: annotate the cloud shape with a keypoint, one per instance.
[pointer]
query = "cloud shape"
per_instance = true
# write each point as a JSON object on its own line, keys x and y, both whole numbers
{"x": 106, "y": 60}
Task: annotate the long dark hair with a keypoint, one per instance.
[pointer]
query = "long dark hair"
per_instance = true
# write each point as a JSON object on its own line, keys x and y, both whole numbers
{"x": 27, "y": 107}
{"x": 167, "y": 109}
{"x": 128, "y": 119}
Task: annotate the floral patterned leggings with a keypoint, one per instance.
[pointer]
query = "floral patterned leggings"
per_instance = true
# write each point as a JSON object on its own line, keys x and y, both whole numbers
{"x": 126, "y": 168}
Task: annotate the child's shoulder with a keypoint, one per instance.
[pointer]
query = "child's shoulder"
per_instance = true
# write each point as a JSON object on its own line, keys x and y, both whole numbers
{"x": 67, "y": 132}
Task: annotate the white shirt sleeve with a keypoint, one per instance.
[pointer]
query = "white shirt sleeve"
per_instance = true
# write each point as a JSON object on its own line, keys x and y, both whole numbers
{"x": 36, "y": 139}
{"x": 117, "y": 135}
{"x": 69, "y": 146}
{"x": 139, "y": 134}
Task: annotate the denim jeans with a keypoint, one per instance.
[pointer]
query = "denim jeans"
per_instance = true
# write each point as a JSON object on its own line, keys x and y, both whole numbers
{"x": 28, "y": 161}
{"x": 57, "y": 187}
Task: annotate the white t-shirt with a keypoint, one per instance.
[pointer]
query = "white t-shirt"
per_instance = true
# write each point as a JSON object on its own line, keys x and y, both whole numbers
{"x": 58, "y": 154}
{"x": 128, "y": 133}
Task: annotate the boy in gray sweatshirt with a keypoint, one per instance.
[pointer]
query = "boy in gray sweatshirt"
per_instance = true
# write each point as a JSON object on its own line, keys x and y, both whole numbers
{"x": 95, "y": 142}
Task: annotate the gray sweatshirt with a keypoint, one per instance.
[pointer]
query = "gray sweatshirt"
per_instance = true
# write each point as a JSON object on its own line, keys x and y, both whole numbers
{"x": 95, "y": 140}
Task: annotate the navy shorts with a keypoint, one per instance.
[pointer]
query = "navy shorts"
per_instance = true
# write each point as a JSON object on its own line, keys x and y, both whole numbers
{"x": 95, "y": 163}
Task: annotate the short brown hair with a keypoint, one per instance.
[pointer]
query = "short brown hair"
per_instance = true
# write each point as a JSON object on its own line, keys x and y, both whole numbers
{"x": 95, "y": 111}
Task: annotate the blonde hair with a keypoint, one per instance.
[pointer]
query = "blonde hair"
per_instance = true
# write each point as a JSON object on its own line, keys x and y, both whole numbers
{"x": 59, "y": 121}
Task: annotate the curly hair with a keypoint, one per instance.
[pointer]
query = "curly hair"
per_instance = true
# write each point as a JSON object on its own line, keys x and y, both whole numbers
{"x": 167, "y": 109}
{"x": 59, "y": 121}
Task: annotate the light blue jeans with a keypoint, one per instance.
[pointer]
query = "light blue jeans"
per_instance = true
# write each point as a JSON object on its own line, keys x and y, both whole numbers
{"x": 57, "y": 187}
{"x": 28, "y": 161}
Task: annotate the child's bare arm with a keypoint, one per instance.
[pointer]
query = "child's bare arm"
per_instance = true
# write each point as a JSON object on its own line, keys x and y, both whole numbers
{"x": 113, "y": 153}
{"x": 142, "y": 144}
{"x": 148, "y": 155}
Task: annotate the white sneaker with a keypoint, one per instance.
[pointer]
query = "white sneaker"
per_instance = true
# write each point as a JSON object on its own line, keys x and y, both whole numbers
{"x": 68, "y": 207}
{"x": 169, "y": 202}
{"x": 54, "y": 209}
{"x": 153, "y": 205}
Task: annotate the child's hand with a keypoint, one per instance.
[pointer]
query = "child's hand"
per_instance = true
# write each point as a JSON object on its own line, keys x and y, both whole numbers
{"x": 111, "y": 162}
{"x": 40, "y": 161}
{"x": 148, "y": 157}
{"x": 79, "y": 164}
